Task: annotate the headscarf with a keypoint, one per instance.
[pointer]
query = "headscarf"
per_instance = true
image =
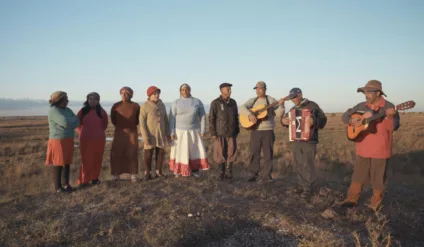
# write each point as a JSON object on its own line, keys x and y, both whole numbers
{"x": 128, "y": 90}
{"x": 94, "y": 94}
{"x": 185, "y": 85}
{"x": 56, "y": 96}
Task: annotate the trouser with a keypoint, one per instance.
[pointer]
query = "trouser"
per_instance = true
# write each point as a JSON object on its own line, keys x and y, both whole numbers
{"x": 304, "y": 162}
{"x": 224, "y": 149}
{"x": 57, "y": 176}
{"x": 261, "y": 140}
{"x": 148, "y": 156}
{"x": 370, "y": 171}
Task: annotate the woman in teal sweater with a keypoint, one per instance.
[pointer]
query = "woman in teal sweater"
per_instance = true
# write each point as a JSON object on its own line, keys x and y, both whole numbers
{"x": 60, "y": 148}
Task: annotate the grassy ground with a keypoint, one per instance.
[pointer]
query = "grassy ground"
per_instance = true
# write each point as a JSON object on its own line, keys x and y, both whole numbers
{"x": 205, "y": 211}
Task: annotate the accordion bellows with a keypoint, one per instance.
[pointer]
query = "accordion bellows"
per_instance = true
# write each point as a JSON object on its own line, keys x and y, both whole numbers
{"x": 299, "y": 129}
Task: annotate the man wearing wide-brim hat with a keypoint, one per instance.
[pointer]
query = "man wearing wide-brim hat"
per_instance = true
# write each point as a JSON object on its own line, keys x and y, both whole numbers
{"x": 372, "y": 86}
{"x": 375, "y": 145}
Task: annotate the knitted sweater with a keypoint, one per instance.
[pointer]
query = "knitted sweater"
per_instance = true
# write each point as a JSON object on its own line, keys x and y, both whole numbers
{"x": 187, "y": 114}
{"x": 62, "y": 123}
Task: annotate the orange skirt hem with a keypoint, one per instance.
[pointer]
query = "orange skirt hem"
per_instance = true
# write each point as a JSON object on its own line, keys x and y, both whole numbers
{"x": 60, "y": 152}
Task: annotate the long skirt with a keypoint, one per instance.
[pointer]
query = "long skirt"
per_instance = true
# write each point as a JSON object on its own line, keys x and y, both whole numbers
{"x": 124, "y": 152}
{"x": 60, "y": 152}
{"x": 91, "y": 159}
{"x": 188, "y": 153}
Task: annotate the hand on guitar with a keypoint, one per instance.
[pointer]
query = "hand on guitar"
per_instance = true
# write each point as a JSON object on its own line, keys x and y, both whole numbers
{"x": 252, "y": 118}
{"x": 390, "y": 112}
{"x": 355, "y": 122}
{"x": 358, "y": 121}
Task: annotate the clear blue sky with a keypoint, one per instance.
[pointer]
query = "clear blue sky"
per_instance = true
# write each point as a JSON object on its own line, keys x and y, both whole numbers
{"x": 327, "y": 48}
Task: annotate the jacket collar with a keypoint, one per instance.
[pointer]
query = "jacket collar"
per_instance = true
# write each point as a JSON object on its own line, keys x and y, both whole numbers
{"x": 153, "y": 104}
{"x": 220, "y": 98}
{"x": 303, "y": 103}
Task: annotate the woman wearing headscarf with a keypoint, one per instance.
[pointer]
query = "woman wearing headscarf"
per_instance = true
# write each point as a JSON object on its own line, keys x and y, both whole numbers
{"x": 187, "y": 124}
{"x": 154, "y": 128}
{"x": 60, "y": 147}
{"x": 124, "y": 153}
{"x": 93, "y": 123}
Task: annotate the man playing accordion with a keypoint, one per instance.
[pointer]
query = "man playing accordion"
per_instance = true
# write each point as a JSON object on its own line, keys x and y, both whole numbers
{"x": 304, "y": 120}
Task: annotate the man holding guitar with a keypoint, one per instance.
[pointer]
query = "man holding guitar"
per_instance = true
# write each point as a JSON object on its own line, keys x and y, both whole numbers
{"x": 303, "y": 152}
{"x": 262, "y": 135}
{"x": 373, "y": 146}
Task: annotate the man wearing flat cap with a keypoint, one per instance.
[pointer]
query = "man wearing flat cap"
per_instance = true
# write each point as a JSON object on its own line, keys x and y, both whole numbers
{"x": 262, "y": 137}
{"x": 304, "y": 152}
{"x": 375, "y": 147}
{"x": 224, "y": 127}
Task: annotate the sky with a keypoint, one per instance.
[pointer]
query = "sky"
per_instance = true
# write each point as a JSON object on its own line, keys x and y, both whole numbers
{"x": 327, "y": 48}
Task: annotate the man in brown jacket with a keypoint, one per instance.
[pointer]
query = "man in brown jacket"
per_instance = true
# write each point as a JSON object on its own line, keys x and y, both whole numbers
{"x": 224, "y": 128}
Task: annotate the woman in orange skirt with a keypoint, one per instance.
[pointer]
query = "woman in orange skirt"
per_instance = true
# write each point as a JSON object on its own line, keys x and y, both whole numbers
{"x": 60, "y": 148}
{"x": 93, "y": 123}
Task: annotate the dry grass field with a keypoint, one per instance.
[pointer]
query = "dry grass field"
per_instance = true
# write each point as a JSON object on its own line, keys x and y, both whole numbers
{"x": 236, "y": 213}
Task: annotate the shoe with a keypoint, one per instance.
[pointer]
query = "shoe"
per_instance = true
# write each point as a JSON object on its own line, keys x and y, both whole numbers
{"x": 352, "y": 196}
{"x": 133, "y": 178}
{"x": 177, "y": 175}
{"x": 147, "y": 177}
{"x": 95, "y": 182}
{"x": 68, "y": 188}
{"x": 159, "y": 174}
{"x": 196, "y": 174}
{"x": 60, "y": 191}
{"x": 252, "y": 179}
{"x": 115, "y": 177}
{"x": 222, "y": 169}
{"x": 376, "y": 200}
{"x": 229, "y": 170}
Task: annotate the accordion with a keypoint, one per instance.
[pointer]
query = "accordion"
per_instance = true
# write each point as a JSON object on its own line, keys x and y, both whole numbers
{"x": 299, "y": 129}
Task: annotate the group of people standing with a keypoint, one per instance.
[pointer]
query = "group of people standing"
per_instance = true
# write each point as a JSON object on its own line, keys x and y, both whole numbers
{"x": 182, "y": 129}
{"x": 185, "y": 126}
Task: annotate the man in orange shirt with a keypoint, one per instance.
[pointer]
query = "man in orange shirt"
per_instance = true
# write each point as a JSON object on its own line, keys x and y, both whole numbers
{"x": 375, "y": 148}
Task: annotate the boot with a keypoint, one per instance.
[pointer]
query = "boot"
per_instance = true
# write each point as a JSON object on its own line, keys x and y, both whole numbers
{"x": 352, "y": 195}
{"x": 229, "y": 170}
{"x": 376, "y": 200}
{"x": 222, "y": 173}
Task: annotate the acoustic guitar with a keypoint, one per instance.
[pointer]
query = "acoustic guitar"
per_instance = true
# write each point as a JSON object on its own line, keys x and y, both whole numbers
{"x": 354, "y": 132}
{"x": 259, "y": 111}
